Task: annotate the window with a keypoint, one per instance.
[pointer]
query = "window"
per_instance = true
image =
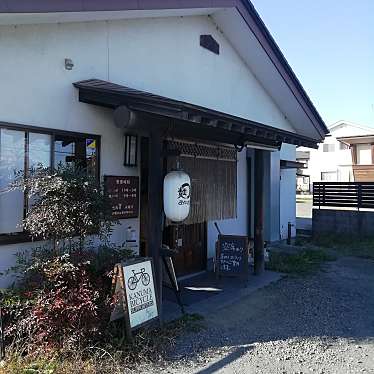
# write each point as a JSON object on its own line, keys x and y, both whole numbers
{"x": 24, "y": 148}
{"x": 329, "y": 148}
{"x": 39, "y": 150}
{"x": 329, "y": 176}
{"x": 79, "y": 151}
{"x": 12, "y": 159}
{"x": 364, "y": 154}
{"x": 343, "y": 146}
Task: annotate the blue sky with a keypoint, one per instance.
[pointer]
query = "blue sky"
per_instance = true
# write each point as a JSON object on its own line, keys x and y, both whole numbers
{"x": 330, "y": 46}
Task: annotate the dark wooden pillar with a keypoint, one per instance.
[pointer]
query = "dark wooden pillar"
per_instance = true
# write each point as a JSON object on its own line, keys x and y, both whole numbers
{"x": 259, "y": 261}
{"x": 155, "y": 189}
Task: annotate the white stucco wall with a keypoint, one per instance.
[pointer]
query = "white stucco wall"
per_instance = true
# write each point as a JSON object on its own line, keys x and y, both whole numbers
{"x": 162, "y": 56}
{"x": 271, "y": 195}
{"x": 280, "y": 194}
{"x": 287, "y": 192}
{"x": 287, "y": 202}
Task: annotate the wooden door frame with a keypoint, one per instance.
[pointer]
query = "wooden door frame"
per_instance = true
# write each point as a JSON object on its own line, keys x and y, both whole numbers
{"x": 144, "y": 200}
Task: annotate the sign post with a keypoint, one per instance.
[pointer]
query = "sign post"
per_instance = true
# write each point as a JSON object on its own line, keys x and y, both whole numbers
{"x": 135, "y": 294}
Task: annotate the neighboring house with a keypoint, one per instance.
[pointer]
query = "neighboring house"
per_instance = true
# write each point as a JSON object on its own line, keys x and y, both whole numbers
{"x": 362, "y": 156}
{"x": 76, "y": 79}
{"x": 332, "y": 161}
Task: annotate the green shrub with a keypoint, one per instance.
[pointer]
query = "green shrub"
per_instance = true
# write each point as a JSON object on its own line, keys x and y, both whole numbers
{"x": 62, "y": 295}
{"x": 347, "y": 245}
{"x": 67, "y": 203}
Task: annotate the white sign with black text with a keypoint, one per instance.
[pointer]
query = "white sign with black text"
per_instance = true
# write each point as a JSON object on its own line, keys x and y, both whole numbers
{"x": 140, "y": 292}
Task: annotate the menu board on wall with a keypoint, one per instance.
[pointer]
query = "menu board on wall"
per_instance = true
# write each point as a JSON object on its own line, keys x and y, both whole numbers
{"x": 123, "y": 193}
{"x": 232, "y": 256}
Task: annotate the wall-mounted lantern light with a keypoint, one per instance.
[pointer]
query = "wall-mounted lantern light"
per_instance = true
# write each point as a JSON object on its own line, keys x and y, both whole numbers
{"x": 131, "y": 150}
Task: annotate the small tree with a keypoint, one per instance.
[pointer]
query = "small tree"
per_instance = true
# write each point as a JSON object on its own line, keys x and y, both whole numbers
{"x": 62, "y": 299}
{"x": 64, "y": 204}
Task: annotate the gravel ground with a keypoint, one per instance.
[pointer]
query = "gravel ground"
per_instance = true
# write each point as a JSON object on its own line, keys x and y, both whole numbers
{"x": 322, "y": 323}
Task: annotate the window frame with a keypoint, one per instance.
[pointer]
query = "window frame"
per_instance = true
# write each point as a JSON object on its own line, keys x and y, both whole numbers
{"x": 24, "y": 237}
{"x": 326, "y": 148}
{"x": 343, "y": 146}
{"x": 329, "y": 173}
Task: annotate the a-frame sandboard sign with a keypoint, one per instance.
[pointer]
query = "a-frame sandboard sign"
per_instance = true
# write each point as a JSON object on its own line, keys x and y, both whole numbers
{"x": 135, "y": 295}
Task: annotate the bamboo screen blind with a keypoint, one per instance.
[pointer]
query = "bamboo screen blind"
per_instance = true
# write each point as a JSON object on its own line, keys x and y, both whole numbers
{"x": 213, "y": 173}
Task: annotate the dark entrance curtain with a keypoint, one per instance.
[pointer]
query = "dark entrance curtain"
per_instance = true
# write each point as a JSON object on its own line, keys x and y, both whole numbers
{"x": 213, "y": 173}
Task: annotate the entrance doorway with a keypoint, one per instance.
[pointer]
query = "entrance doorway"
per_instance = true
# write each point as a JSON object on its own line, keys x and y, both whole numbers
{"x": 191, "y": 243}
{"x": 189, "y": 240}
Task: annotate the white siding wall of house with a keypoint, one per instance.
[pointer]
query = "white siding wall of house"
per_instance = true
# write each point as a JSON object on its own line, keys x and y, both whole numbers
{"x": 332, "y": 161}
{"x": 161, "y": 56}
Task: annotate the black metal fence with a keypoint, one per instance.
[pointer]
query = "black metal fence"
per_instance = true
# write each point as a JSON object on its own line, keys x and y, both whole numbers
{"x": 344, "y": 194}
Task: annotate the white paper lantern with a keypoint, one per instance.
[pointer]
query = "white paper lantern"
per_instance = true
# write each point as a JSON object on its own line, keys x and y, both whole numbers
{"x": 177, "y": 195}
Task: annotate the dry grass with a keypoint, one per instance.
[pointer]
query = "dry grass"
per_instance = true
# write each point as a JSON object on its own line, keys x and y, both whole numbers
{"x": 150, "y": 345}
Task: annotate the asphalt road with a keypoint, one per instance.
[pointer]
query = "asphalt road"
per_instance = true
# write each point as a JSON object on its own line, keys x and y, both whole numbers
{"x": 321, "y": 323}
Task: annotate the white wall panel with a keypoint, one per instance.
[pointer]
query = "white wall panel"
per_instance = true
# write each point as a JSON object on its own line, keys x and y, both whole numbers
{"x": 162, "y": 56}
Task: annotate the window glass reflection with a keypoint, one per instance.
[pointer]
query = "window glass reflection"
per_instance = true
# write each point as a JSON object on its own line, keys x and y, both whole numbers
{"x": 81, "y": 152}
{"x": 39, "y": 150}
{"x": 12, "y": 160}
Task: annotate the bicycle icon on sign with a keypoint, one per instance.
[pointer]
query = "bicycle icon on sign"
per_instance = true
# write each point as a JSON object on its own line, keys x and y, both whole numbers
{"x": 140, "y": 275}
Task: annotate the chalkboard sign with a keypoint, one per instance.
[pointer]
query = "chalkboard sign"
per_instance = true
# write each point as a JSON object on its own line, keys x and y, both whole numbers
{"x": 123, "y": 193}
{"x": 232, "y": 256}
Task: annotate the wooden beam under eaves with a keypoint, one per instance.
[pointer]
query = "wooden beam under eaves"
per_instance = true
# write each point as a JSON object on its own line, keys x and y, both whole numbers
{"x": 271, "y": 135}
{"x": 212, "y": 122}
{"x": 224, "y": 125}
{"x": 238, "y": 128}
{"x": 195, "y": 118}
{"x": 250, "y": 131}
{"x": 184, "y": 115}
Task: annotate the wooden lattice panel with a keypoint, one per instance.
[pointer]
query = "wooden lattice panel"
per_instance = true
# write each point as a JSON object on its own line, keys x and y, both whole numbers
{"x": 198, "y": 150}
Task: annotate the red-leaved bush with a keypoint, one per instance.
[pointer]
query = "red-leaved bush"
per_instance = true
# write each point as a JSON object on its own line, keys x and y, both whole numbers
{"x": 63, "y": 293}
{"x": 66, "y": 310}
{"x": 62, "y": 302}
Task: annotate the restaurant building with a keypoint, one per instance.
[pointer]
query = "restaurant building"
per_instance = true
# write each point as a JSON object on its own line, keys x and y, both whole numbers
{"x": 130, "y": 88}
